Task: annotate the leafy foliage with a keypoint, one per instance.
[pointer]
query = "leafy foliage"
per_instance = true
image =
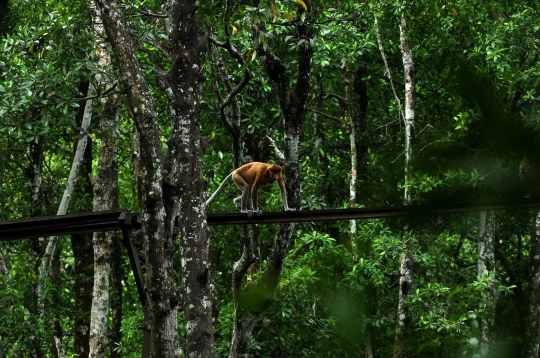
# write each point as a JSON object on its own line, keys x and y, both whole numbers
{"x": 472, "y": 130}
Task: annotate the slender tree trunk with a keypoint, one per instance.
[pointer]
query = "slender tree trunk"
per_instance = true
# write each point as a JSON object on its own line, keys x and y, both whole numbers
{"x": 57, "y": 348}
{"x": 259, "y": 294}
{"x": 4, "y": 271}
{"x": 532, "y": 322}
{"x": 116, "y": 277}
{"x": 244, "y": 321}
{"x": 100, "y": 303}
{"x": 35, "y": 177}
{"x": 249, "y": 232}
{"x": 359, "y": 101}
{"x": 387, "y": 71}
{"x": 354, "y": 157}
{"x": 105, "y": 189}
{"x": 408, "y": 67}
{"x": 82, "y": 287}
{"x": 81, "y": 245}
{"x": 405, "y": 271}
{"x": 486, "y": 263}
{"x": 106, "y": 198}
{"x": 240, "y": 347}
{"x": 62, "y": 209}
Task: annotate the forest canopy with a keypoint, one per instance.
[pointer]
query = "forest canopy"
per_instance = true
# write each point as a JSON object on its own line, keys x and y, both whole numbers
{"x": 148, "y": 106}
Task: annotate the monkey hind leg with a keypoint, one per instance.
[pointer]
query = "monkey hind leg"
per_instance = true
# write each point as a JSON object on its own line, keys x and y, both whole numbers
{"x": 238, "y": 202}
{"x": 238, "y": 205}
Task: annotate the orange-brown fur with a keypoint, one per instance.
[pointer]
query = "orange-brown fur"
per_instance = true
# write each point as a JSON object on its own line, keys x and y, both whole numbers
{"x": 249, "y": 178}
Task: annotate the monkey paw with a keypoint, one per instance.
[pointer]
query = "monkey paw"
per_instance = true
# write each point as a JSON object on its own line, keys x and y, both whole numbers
{"x": 248, "y": 212}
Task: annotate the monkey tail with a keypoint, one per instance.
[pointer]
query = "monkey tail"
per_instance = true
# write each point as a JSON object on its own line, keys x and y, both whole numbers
{"x": 219, "y": 188}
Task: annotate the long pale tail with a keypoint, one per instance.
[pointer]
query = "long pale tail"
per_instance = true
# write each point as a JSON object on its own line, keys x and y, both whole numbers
{"x": 219, "y": 188}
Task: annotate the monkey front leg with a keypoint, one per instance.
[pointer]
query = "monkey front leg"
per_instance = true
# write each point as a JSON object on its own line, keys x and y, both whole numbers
{"x": 284, "y": 198}
{"x": 255, "y": 201}
{"x": 245, "y": 198}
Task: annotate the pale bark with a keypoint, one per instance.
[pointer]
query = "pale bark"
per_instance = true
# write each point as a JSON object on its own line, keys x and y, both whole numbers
{"x": 161, "y": 304}
{"x": 532, "y": 323}
{"x": 70, "y": 183}
{"x": 105, "y": 188}
{"x": 174, "y": 188}
{"x": 117, "y": 276}
{"x": 486, "y": 263}
{"x": 3, "y": 266}
{"x": 100, "y": 298}
{"x": 408, "y": 67}
{"x": 354, "y": 157}
{"x": 35, "y": 178}
{"x": 184, "y": 174}
{"x": 62, "y": 209}
{"x": 359, "y": 104}
{"x": 405, "y": 271}
{"x": 278, "y": 152}
{"x": 405, "y": 287}
{"x": 387, "y": 71}
{"x": 81, "y": 246}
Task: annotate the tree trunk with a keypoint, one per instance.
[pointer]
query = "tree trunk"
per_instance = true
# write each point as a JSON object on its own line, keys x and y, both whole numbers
{"x": 100, "y": 303}
{"x": 175, "y": 188}
{"x": 81, "y": 245}
{"x": 35, "y": 177}
{"x": 259, "y": 294}
{"x": 243, "y": 321}
{"x": 359, "y": 103}
{"x": 249, "y": 233}
{"x": 359, "y": 115}
{"x": 57, "y": 348}
{"x": 105, "y": 189}
{"x": 45, "y": 266}
{"x": 405, "y": 271}
{"x": 4, "y": 271}
{"x": 387, "y": 71}
{"x": 354, "y": 157}
{"x": 161, "y": 302}
{"x": 532, "y": 323}
{"x": 408, "y": 67}
{"x": 105, "y": 198}
{"x": 486, "y": 265}
{"x": 184, "y": 176}
{"x": 116, "y": 277}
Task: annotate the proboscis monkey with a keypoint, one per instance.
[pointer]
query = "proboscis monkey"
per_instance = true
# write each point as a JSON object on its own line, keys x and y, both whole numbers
{"x": 249, "y": 178}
